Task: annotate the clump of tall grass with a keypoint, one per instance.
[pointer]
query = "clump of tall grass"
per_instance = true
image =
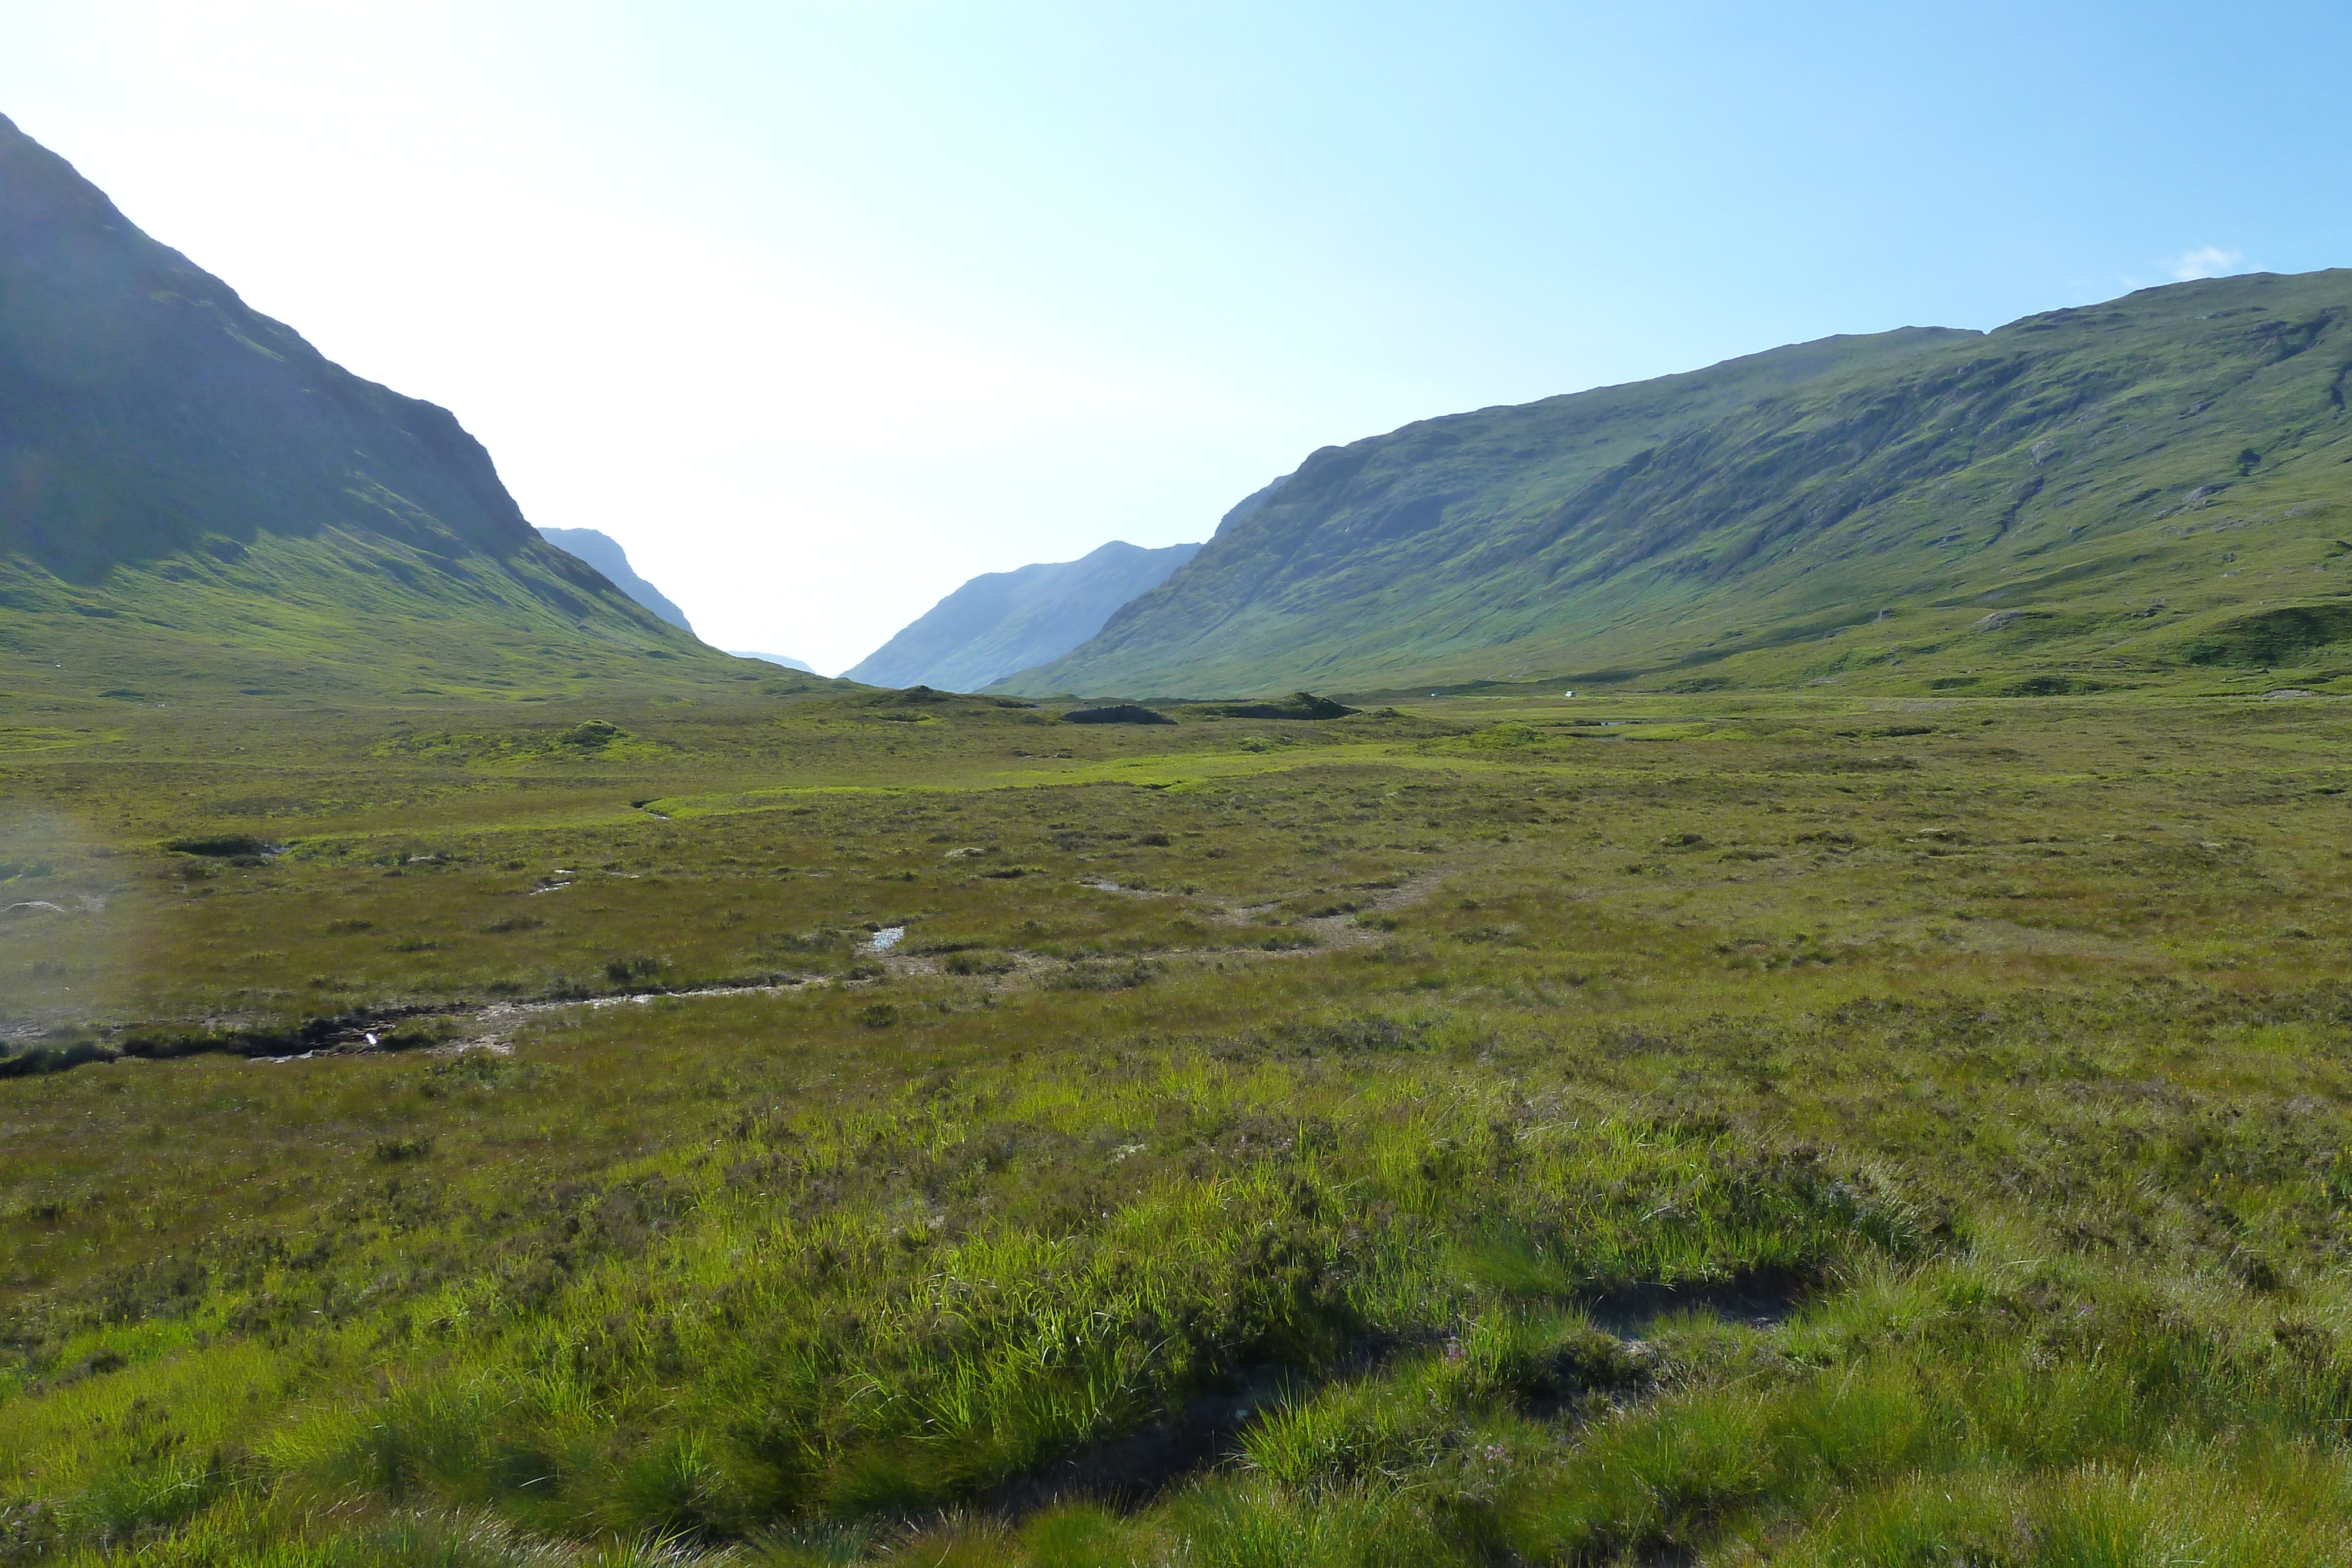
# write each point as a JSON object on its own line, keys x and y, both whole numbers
{"x": 843, "y": 1360}
{"x": 243, "y": 1530}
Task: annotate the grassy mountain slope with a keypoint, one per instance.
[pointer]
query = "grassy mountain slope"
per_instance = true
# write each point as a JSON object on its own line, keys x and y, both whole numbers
{"x": 192, "y": 497}
{"x": 1002, "y": 622}
{"x": 604, "y": 552}
{"x": 2110, "y": 494}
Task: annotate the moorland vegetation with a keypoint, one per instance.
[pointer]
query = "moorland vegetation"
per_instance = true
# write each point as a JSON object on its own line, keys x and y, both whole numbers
{"x": 487, "y": 1082}
{"x": 845, "y": 1128}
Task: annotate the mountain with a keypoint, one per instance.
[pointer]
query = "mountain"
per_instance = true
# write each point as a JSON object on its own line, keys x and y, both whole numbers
{"x": 790, "y": 663}
{"x": 1004, "y": 622}
{"x": 2108, "y": 494}
{"x": 192, "y": 498}
{"x": 604, "y": 552}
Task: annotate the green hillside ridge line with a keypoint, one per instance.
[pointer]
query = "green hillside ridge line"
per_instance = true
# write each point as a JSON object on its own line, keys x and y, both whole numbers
{"x": 341, "y": 615}
{"x": 1003, "y": 621}
{"x": 2126, "y": 488}
{"x": 192, "y": 498}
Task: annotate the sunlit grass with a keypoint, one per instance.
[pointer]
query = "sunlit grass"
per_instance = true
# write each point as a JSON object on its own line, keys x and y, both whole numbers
{"x": 1767, "y": 1143}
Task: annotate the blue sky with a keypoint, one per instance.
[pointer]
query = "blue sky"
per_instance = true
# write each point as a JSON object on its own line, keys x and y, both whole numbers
{"x": 821, "y": 310}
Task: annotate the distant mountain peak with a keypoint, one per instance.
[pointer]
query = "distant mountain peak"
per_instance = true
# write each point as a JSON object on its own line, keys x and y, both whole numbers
{"x": 144, "y": 407}
{"x": 604, "y": 552}
{"x": 1002, "y": 622}
{"x": 192, "y": 492}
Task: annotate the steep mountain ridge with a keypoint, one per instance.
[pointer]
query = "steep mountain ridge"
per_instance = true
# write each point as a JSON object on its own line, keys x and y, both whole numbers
{"x": 1714, "y": 527}
{"x": 604, "y": 552}
{"x": 192, "y": 495}
{"x": 1001, "y": 622}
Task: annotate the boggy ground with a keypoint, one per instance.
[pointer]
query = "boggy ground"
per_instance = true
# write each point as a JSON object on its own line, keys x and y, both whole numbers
{"x": 1645, "y": 1130}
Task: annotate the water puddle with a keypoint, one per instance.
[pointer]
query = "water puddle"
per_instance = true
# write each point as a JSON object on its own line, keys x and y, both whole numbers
{"x": 886, "y": 938}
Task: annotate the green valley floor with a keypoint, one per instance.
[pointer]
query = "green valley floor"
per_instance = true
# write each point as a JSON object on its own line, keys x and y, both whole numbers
{"x": 852, "y": 1127}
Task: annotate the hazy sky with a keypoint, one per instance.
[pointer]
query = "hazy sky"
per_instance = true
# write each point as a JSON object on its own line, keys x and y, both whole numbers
{"x": 821, "y": 309}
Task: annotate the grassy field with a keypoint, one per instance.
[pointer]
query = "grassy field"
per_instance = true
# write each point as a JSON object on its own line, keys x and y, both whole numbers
{"x": 838, "y": 1127}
